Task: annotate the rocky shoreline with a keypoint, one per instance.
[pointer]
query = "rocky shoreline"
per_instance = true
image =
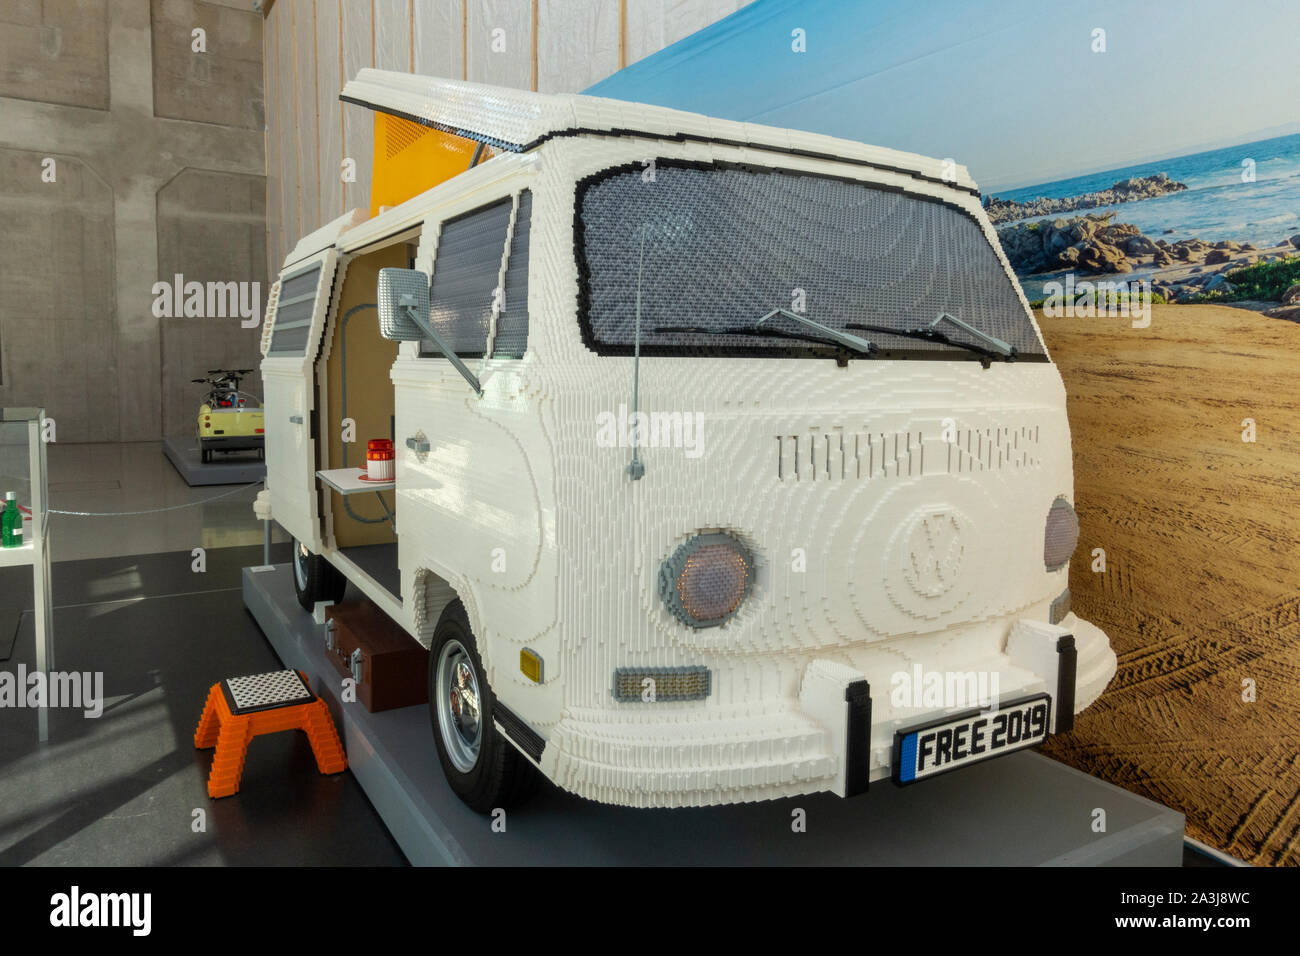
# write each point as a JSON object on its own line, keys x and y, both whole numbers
{"x": 1094, "y": 245}
{"x": 1126, "y": 190}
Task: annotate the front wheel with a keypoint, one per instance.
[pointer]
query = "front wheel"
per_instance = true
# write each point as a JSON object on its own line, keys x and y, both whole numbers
{"x": 314, "y": 578}
{"x": 483, "y": 768}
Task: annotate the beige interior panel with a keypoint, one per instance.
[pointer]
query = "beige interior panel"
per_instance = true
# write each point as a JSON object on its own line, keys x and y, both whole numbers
{"x": 369, "y": 392}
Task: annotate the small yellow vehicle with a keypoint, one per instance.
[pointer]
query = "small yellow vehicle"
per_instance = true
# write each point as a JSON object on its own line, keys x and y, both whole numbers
{"x": 229, "y": 419}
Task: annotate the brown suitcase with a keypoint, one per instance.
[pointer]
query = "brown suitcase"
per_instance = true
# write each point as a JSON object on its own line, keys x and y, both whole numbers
{"x": 390, "y": 667}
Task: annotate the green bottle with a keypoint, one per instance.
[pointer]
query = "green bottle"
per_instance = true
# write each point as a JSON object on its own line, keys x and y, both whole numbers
{"x": 11, "y": 523}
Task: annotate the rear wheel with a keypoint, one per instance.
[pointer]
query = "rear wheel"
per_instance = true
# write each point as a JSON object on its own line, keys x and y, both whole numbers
{"x": 314, "y": 578}
{"x": 483, "y": 768}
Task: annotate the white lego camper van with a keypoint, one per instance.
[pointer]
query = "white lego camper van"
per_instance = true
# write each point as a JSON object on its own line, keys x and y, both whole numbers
{"x": 730, "y": 462}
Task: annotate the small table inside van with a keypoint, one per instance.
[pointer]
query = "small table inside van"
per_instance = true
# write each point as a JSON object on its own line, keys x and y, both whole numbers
{"x": 351, "y": 481}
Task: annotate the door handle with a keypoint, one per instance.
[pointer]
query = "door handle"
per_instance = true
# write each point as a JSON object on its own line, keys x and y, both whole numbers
{"x": 417, "y": 444}
{"x": 295, "y": 419}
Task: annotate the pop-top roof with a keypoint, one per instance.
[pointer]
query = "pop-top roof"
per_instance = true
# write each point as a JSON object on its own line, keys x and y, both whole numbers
{"x": 519, "y": 120}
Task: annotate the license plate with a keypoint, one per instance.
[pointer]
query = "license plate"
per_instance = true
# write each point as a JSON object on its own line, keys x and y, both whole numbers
{"x": 958, "y": 741}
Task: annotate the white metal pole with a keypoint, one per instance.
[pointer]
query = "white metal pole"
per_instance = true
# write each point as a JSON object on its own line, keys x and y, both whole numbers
{"x": 43, "y": 605}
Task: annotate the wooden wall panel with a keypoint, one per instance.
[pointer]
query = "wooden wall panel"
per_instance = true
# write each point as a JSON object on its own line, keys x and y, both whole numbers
{"x": 329, "y": 111}
{"x": 393, "y": 35}
{"x": 305, "y": 87}
{"x": 358, "y": 123}
{"x": 577, "y": 43}
{"x": 287, "y": 138}
{"x": 438, "y": 37}
{"x": 499, "y": 43}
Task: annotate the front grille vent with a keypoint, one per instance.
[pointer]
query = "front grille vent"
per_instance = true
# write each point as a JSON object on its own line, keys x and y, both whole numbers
{"x": 839, "y": 455}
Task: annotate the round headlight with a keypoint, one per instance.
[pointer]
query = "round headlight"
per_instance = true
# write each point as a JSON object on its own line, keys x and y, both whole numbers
{"x": 1062, "y": 535}
{"x": 706, "y": 579}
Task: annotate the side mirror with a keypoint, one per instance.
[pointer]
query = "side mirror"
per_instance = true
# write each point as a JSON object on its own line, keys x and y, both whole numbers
{"x": 402, "y": 291}
{"x": 404, "y": 316}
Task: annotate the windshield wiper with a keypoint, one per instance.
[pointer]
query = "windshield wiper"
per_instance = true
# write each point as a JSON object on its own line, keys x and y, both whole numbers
{"x": 1001, "y": 350}
{"x": 820, "y": 333}
{"x": 767, "y": 333}
{"x": 995, "y": 343}
{"x": 835, "y": 335}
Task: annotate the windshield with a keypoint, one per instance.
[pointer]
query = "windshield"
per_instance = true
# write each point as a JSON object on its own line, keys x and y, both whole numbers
{"x": 725, "y": 245}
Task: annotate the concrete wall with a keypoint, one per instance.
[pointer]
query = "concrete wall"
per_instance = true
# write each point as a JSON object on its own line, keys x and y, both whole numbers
{"x": 312, "y": 47}
{"x": 158, "y": 168}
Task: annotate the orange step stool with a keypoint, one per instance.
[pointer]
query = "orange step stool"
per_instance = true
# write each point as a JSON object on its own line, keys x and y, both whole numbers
{"x": 241, "y": 708}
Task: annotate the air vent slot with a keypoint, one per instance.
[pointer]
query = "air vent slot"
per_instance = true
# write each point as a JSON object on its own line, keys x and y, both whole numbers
{"x": 838, "y": 455}
{"x": 993, "y": 449}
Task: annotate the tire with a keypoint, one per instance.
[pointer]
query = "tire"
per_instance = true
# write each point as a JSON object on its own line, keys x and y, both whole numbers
{"x": 314, "y": 578}
{"x": 484, "y": 769}
{"x": 205, "y": 455}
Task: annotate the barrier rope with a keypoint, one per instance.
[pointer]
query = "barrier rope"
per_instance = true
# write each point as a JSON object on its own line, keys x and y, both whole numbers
{"x": 153, "y": 511}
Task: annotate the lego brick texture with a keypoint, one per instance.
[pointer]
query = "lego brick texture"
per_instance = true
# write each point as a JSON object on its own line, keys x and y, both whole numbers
{"x": 859, "y": 254}
{"x": 895, "y": 510}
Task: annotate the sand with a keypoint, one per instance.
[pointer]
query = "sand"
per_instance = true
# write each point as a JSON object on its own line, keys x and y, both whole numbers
{"x": 1201, "y": 532}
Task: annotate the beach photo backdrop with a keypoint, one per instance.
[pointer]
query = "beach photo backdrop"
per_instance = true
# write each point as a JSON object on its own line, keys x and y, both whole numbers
{"x": 1218, "y": 201}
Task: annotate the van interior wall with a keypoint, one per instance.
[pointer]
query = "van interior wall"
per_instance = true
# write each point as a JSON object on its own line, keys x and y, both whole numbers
{"x": 370, "y": 357}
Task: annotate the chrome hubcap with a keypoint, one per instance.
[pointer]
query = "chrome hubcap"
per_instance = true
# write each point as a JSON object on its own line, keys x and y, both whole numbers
{"x": 300, "y": 556}
{"x": 459, "y": 716}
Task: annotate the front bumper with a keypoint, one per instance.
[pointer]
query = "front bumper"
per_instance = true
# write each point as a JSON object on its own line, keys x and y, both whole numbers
{"x": 788, "y": 747}
{"x": 232, "y": 442}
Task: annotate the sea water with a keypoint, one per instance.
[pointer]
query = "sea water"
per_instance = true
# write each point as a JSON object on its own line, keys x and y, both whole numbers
{"x": 1217, "y": 204}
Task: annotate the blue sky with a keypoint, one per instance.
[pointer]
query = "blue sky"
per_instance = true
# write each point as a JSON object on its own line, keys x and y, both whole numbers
{"x": 1010, "y": 88}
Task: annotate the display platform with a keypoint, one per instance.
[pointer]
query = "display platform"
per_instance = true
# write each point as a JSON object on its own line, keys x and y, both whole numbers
{"x": 1019, "y": 810}
{"x": 225, "y": 469}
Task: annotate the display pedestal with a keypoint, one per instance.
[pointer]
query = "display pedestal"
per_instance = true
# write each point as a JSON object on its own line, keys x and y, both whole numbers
{"x": 236, "y": 468}
{"x": 1019, "y": 810}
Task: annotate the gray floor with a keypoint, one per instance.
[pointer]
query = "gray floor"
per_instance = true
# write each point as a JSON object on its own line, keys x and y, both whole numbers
{"x": 137, "y": 477}
{"x": 123, "y": 789}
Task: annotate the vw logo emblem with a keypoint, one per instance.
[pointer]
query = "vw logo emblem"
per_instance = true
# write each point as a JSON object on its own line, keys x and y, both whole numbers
{"x": 933, "y": 553}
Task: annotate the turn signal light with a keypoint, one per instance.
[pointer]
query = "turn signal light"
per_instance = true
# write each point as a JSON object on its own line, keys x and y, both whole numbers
{"x": 530, "y": 665}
